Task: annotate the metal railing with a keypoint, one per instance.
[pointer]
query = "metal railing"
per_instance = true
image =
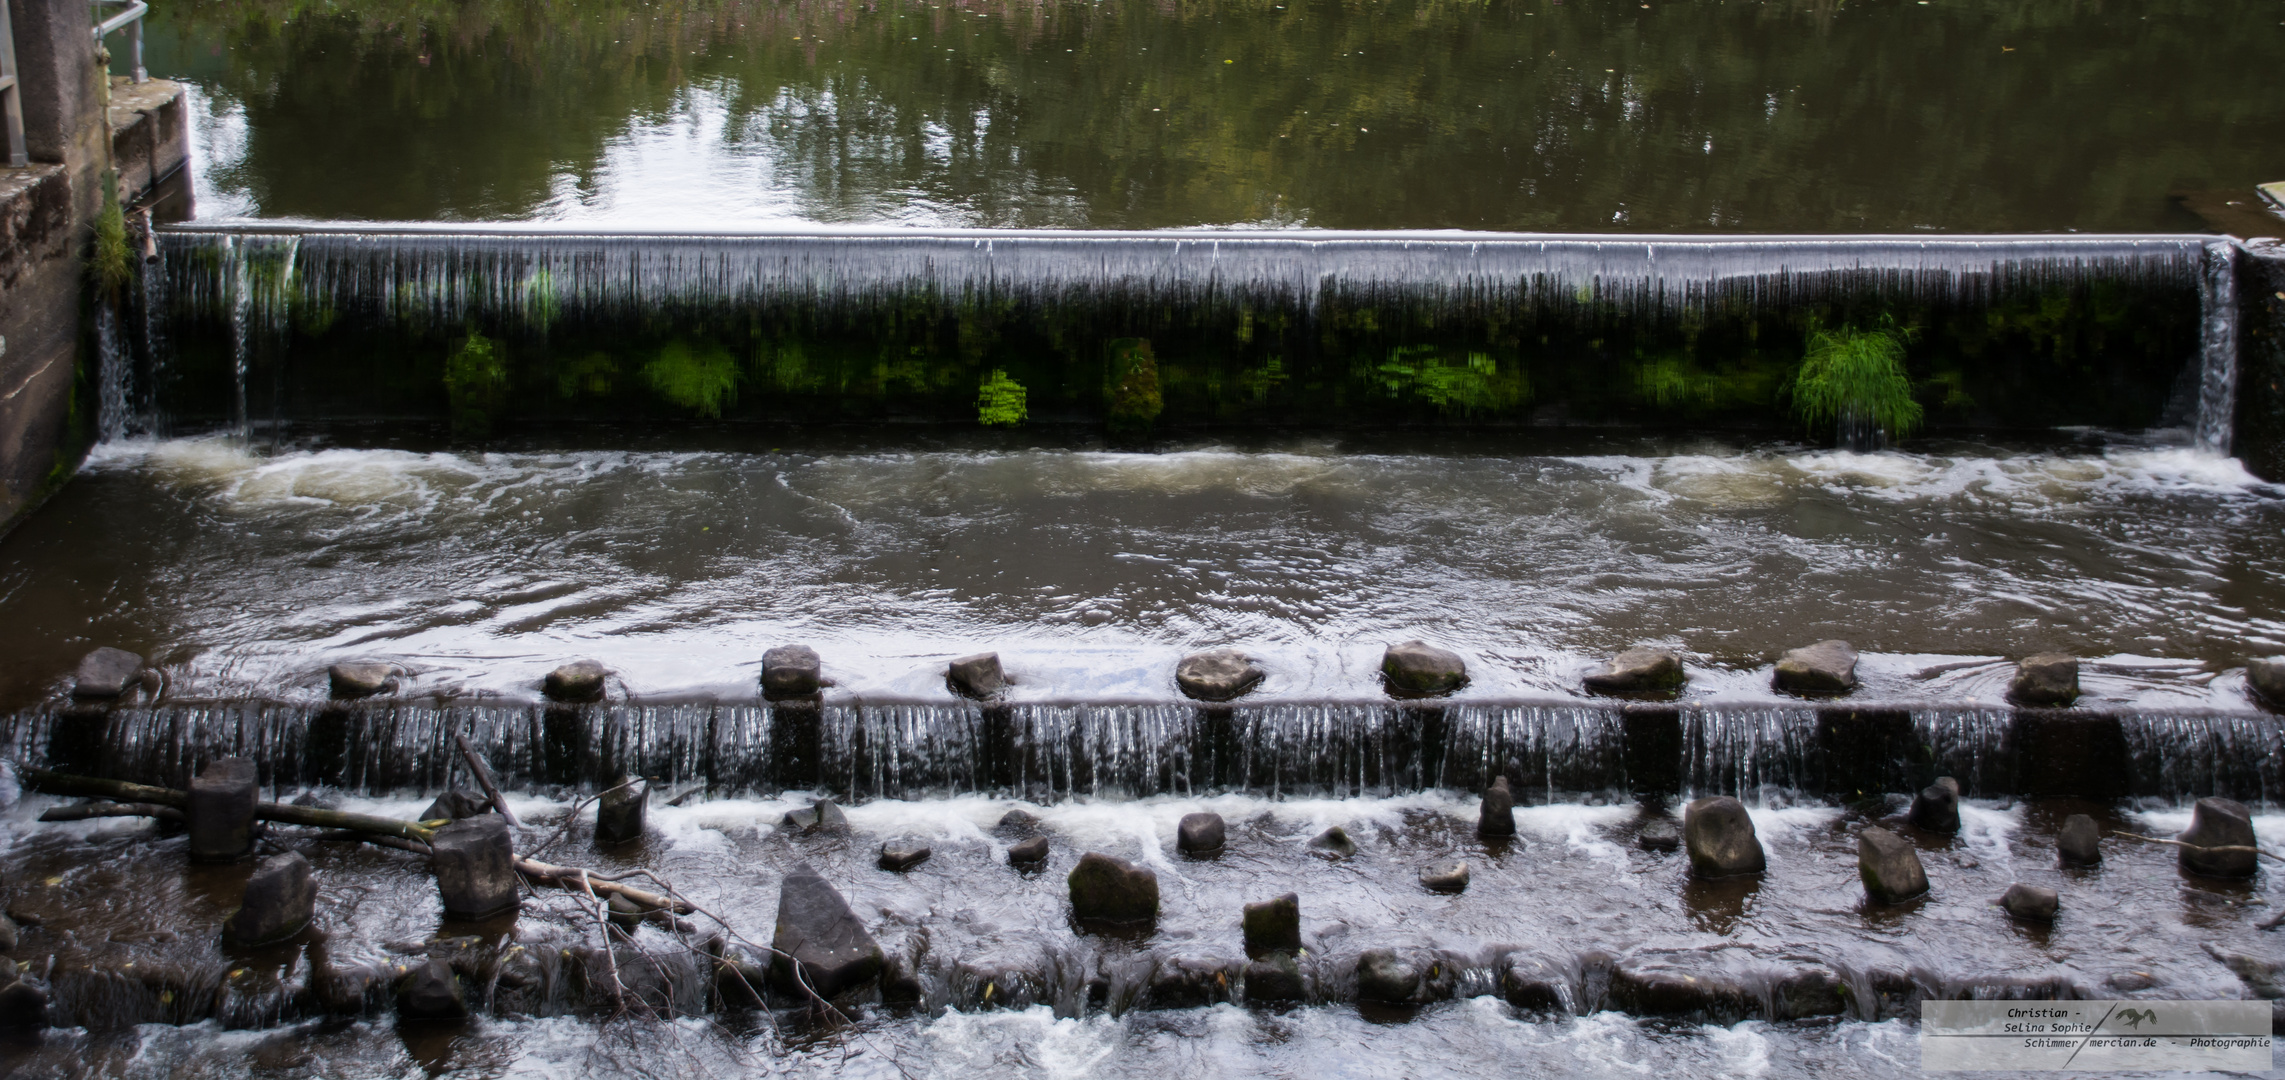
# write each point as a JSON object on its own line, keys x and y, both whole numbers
{"x": 11, "y": 96}
{"x": 130, "y": 20}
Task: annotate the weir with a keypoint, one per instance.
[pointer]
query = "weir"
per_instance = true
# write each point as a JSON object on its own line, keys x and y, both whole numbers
{"x": 501, "y": 329}
{"x": 1550, "y": 752}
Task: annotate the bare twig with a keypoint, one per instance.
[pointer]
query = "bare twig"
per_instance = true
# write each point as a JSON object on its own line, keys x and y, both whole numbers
{"x": 2231, "y": 848}
{"x": 610, "y": 951}
{"x": 573, "y": 816}
{"x": 484, "y": 780}
{"x": 576, "y": 879}
{"x": 104, "y": 810}
{"x": 684, "y": 795}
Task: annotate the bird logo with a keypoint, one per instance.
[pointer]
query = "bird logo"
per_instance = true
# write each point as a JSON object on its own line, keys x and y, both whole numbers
{"x": 2134, "y": 1018}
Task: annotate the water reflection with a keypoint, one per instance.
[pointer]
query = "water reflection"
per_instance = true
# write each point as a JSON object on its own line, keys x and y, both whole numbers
{"x": 1798, "y": 115}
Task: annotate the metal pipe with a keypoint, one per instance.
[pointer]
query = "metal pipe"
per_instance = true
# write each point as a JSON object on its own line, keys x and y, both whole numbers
{"x": 130, "y": 20}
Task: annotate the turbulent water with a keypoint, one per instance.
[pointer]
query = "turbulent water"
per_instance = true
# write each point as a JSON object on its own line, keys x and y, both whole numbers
{"x": 246, "y": 572}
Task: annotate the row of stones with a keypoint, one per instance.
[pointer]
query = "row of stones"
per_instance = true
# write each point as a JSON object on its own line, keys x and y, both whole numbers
{"x": 1413, "y": 669}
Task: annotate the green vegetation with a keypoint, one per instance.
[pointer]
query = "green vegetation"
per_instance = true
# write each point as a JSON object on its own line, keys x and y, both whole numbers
{"x": 1665, "y": 381}
{"x": 1000, "y": 401}
{"x": 1473, "y": 385}
{"x": 1135, "y": 398}
{"x": 476, "y": 383}
{"x": 1854, "y": 379}
{"x": 700, "y": 379}
{"x": 592, "y": 374}
{"x": 111, "y": 264}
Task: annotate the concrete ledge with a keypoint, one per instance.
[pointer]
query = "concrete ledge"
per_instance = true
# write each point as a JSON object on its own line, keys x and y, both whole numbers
{"x": 150, "y": 133}
{"x": 39, "y": 328}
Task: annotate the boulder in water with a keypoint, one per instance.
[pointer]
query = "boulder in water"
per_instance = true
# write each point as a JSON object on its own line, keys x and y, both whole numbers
{"x": 2048, "y": 679}
{"x": 2218, "y": 823}
{"x": 1333, "y": 843}
{"x": 1445, "y": 877}
{"x": 2080, "y": 842}
{"x": 1273, "y": 926}
{"x": 898, "y": 856}
{"x": 431, "y": 991}
{"x": 977, "y": 676}
{"x": 475, "y": 866}
{"x": 821, "y": 816}
{"x": 575, "y": 682}
{"x": 1826, "y": 668}
{"x": 2266, "y": 678}
{"x": 360, "y": 680}
{"x": 1937, "y": 807}
{"x": 1105, "y": 889}
{"x": 1028, "y": 854}
{"x": 619, "y": 813}
{"x": 1217, "y": 675}
{"x": 791, "y": 671}
{"x": 1017, "y": 822}
{"x": 1639, "y": 671}
{"x": 1274, "y": 978}
{"x": 1496, "y": 816}
{"x": 107, "y": 673}
{"x": 1649, "y": 988}
{"x": 1416, "y": 669}
{"x": 1720, "y": 837}
{"x": 1200, "y": 835}
{"x": 2030, "y": 902}
{"x": 220, "y": 810}
{"x": 23, "y": 1006}
{"x": 820, "y": 944}
{"x": 1889, "y": 866}
{"x": 280, "y": 899}
{"x": 8, "y": 935}
{"x": 1388, "y": 978}
{"x": 1659, "y": 834}
{"x": 1536, "y": 985}
{"x": 454, "y": 805}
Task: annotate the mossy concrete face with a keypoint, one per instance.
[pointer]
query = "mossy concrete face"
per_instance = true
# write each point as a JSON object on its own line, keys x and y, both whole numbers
{"x": 2260, "y": 439}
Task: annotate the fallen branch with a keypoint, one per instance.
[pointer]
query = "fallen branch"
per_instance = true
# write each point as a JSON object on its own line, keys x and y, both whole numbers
{"x": 55, "y": 783}
{"x": 397, "y": 842}
{"x": 85, "y": 811}
{"x": 575, "y": 879}
{"x": 484, "y": 780}
{"x": 2198, "y": 847}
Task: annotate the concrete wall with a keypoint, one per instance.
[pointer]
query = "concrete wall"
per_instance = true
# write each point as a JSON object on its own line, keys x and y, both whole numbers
{"x": 2260, "y": 441}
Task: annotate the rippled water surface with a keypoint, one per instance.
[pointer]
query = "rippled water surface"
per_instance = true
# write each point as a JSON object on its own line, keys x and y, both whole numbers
{"x": 246, "y": 572}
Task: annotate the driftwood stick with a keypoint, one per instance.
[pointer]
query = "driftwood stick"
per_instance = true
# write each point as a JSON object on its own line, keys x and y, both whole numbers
{"x": 321, "y": 818}
{"x": 56, "y": 783}
{"x": 685, "y": 794}
{"x": 103, "y": 810}
{"x": 575, "y": 879}
{"x": 484, "y": 780}
{"x": 398, "y": 842}
{"x": 2197, "y": 847}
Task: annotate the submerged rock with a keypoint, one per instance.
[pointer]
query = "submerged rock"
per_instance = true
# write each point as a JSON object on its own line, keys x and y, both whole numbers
{"x": 2266, "y": 678}
{"x": 1639, "y": 671}
{"x": 2048, "y": 679}
{"x": 1828, "y": 667}
{"x": 1200, "y": 835}
{"x": 431, "y": 991}
{"x": 977, "y": 676}
{"x": 280, "y": 899}
{"x": 1217, "y": 675}
{"x": 1937, "y": 807}
{"x": 1017, "y": 822}
{"x": 361, "y": 680}
{"x": 1659, "y": 834}
{"x": 1275, "y": 978}
{"x": 220, "y": 810}
{"x": 1496, "y": 816}
{"x": 454, "y": 805}
{"x": 475, "y": 867}
{"x": 8, "y": 935}
{"x": 2030, "y": 902}
{"x": 1333, "y": 843}
{"x": 2080, "y": 842}
{"x": 830, "y": 951}
{"x": 1654, "y": 989}
{"x": 1273, "y": 926}
{"x": 1416, "y": 669}
{"x": 1392, "y": 978}
{"x": 1536, "y": 985}
{"x": 1445, "y": 877}
{"x": 1721, "y": 839}
{"x": 619, "y": 813}
{"x": 2219, "y": 823}
{"x": 1889, "y": 866}
{"x": 1105, "y": 889}
{"x": 821, "y": 816}
{"x": 575, "y": 682}
{"x": 900, "y": 856}
{"x": 1029, "y": 854}
{"x": 791, "y": 671}
{"x": 107, "y": 673}
{"x": 23, "y": 1006}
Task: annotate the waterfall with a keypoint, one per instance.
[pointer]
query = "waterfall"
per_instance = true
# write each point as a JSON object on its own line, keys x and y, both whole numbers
{"x": 2217, "y": 348}
{"x": 111, "y": 375}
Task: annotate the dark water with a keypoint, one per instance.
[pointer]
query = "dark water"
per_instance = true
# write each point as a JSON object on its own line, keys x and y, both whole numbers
{"x": 1539, "y": 115}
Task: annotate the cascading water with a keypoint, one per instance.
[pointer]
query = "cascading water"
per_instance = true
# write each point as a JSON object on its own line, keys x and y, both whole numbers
{"x": 2217, "y": 348}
